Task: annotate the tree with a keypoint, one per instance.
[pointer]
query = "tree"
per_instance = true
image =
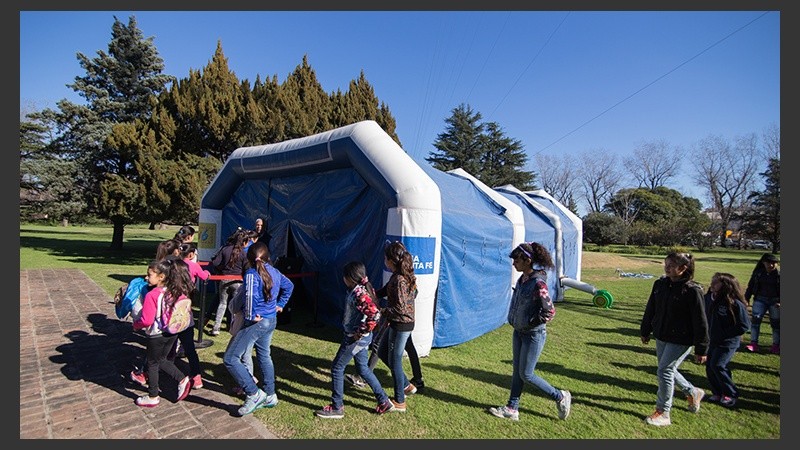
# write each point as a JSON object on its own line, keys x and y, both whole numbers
{"x": 599, "y": 177}
{"x": 460, "y": 145}
{"x": 727, "y": 173}
{"x": 304, "y": 105}
{"x": 502, "y": 158}
{"x": 764, "y": 218}
{"x": 602, "y": 228}
{"x": 557, "y": 175}
{"x": 119, "y": 87}
{"x": 654, "y": 163}
{"x": 481, "y": 149}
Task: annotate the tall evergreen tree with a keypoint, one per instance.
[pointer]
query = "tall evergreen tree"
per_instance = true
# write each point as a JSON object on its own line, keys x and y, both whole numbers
{"x": 119, "y": 87}
{"x": 481, "y": 149}
{"x": 461, "y": 144}
{"x": 303, "y": 103}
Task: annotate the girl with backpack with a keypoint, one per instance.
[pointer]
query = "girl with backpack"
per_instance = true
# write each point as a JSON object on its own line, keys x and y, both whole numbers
{"x": 530, "y": 310}
{"x": 171, "y": 281}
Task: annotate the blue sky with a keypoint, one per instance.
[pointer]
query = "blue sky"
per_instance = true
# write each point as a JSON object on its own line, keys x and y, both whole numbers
{"x": 561, "y": 82}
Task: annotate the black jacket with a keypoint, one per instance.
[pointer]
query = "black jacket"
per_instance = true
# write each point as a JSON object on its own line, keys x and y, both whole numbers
{"x": 676, "y": 313}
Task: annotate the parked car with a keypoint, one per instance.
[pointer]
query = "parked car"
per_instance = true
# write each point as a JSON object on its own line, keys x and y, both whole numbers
{"x": 762, "y": 245}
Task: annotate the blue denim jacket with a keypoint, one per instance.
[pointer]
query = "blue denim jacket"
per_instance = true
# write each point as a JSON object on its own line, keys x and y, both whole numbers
{"x": 526, "y": 301}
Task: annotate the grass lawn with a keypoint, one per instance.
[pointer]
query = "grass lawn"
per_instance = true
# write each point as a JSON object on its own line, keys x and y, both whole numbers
{"x": 593, "y": 352}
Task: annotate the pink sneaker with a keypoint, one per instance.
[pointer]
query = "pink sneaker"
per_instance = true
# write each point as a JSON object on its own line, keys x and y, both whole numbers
{"x": 775, "y": 349}
{"x": 752, "y": 347}
{"x": 197, "y": 382}
{"x": 140, "y": 378}
{"x": 184, "y": 387}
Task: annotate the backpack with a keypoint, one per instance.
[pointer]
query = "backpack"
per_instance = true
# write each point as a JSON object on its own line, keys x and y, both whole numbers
{"x": 129, "y": 297}
{"x": 177, "y": 319}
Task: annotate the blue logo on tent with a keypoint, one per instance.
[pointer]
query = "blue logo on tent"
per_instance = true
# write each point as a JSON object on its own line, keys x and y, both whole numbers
{"x": 421, "y": 249}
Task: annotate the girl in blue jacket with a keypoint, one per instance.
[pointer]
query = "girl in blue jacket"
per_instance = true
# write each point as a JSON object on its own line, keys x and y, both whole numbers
{"x": 728, "y": 320}
{"x": 266, "y": 292}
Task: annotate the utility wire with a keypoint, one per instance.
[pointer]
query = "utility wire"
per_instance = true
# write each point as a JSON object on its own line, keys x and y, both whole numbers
{"x": 654, "y": 81}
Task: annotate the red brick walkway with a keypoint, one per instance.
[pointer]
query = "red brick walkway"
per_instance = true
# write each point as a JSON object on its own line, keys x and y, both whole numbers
{"x": 74, "y": 359}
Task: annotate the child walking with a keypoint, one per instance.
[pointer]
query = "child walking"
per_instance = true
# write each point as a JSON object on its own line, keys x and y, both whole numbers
{"x": 675, "y": 314}
{"x": 266, "y": 293}
{"x": 400, "y": 292}
{"x": 360, "y": 318}
{"x": 171, "y": 282}
{"x": 765, "y": 286}
{"x": 186, "y": 337}
{"x": 728, "y": 320}
{"x": 531, "y": 308}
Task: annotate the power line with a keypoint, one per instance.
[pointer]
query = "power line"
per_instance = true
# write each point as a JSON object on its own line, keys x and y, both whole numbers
{"x": 654, "y": 81}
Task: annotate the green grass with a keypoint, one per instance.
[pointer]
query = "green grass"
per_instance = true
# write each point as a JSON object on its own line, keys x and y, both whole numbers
{"x": 595, "y": 353}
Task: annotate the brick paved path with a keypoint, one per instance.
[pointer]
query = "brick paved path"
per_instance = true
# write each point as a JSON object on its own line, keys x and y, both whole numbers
{"x": 74, "y": 356}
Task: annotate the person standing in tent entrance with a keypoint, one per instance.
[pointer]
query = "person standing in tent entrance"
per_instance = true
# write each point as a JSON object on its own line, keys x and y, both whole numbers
{"x": 400, "y": 292}
{"x": 675, "y": 315}
{"x": 261, "y": 229}
{"x": 530, "y": 310}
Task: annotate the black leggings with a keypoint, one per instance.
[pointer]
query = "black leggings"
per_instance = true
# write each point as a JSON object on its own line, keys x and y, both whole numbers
{"x": 380, "y": 350}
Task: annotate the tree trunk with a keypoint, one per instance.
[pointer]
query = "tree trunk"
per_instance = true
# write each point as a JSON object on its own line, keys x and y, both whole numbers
{"x": 119, "y": 230}
{"x": 64, "y": 222}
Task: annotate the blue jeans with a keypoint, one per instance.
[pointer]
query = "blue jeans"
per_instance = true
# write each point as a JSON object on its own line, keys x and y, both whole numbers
{"x": 526, "y": 348}
{"x": 762, "y": 305}
{"x": 670, "y": 356}
{"x": 258, "y": 334}
{"x": 717, "y": 370}
{"x": 397, "y": 345}
{"x": 357, "y": 350}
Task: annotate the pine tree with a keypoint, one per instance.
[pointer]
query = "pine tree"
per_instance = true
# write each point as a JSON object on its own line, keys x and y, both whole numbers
{"x": 303, "y": 103}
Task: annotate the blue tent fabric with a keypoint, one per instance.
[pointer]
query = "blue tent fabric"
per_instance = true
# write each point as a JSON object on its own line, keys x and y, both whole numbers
{"x": 474, "y": 291}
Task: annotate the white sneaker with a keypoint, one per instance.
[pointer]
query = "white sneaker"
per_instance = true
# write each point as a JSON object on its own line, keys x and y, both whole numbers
{"x": 658, "y": 418}
{"x": 564, "y": 405}
{"x": 695, "y": 398}
{"x": 504, "y": 412}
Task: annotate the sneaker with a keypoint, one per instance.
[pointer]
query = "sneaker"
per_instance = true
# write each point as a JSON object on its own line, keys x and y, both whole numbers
{"x": 329, "y": 412}
{"x": 658, "y": 418}
{"x": 147, "y": 401}
{"x": 214, "y": 332}
{"x": 728, "y": 402}
{"x": 252, "y": 403}
{"x": 775, "y": 349}
{"x": 398, "y": 407}
{"x": 410, "y": 389}
{"x": 419, "y": 384}
{"x": 564, "y": 405}
{"x": 197, "y": 382}
{"x": 272, "y": 400}
{"x": 504, "y": 412}
{"x": 140, "y": 378}
{"x": 355, "y": 380}
{"x": 384, "y": 407}
{"x": 752, "y": 347}
{"x": 713, "y": 399}
{"x": 184, "y": 387}
{"x": 695, "y": 398}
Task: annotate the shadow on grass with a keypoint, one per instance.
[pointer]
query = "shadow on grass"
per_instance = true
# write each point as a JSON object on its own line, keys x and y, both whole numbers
{"x": 90, "y": 251}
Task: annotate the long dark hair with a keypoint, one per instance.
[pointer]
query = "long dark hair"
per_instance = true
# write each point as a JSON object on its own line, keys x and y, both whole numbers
{"x": 397, "y": 253}
{"x": 184, "y": 233}
{"x": 178, "y": 281}
{"x": 535, "y": 252}
{"x": 258, "y": 258}
{"x": 730, "y": 291}
{"x": 356, "y": 272}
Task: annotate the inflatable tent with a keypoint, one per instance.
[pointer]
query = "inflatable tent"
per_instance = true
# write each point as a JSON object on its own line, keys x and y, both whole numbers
{"x": 341, "y": 195}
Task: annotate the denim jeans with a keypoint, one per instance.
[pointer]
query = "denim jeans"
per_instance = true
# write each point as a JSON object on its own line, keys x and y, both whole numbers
{"x": 227, "y": 288}
{"x": 717, "y": 370}
{"x": 670, "y": 356}
{"x": 397, "y": 345}
{"x": 358, "y": 351}
{"x": 258, "y": 334}
{"x": 526, "y": 348}
{"x": 762, "y": 305}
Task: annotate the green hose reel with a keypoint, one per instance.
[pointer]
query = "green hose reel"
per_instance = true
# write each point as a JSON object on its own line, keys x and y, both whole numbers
{"x": 602, "y": 299}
